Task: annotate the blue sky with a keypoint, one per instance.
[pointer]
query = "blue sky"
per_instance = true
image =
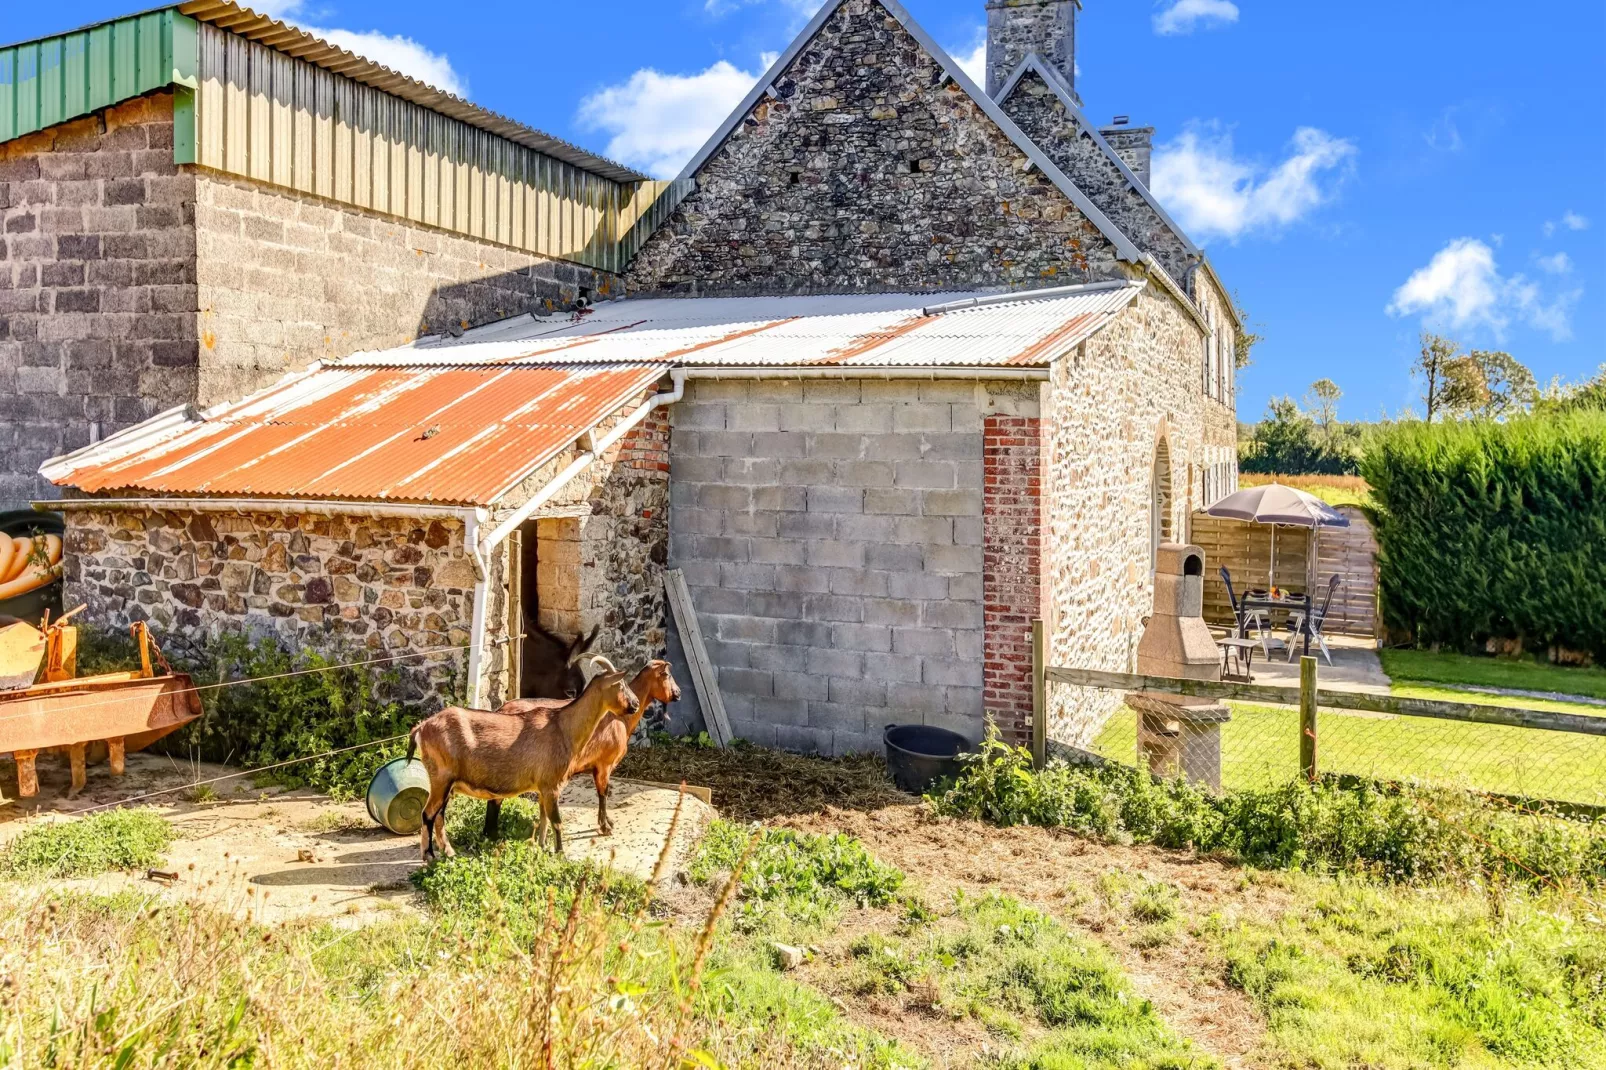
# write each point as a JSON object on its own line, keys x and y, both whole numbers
{"x": 1354, "y": 170}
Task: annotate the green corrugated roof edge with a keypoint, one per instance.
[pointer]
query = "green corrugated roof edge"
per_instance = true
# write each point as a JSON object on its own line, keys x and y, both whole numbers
{"x": 70, "y": 75}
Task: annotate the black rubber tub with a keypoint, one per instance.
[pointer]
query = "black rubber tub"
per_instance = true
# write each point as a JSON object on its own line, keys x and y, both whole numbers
{"x": 919, "y": 755}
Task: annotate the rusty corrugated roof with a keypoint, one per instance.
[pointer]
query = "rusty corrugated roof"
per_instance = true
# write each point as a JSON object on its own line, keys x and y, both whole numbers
{"x": 452, "y": 435}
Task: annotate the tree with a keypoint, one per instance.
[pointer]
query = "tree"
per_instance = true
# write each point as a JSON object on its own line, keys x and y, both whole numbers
{"x": 1560, "y": 397}
{"x": 1487, "y": 383}
{"x": 1321, "y": 401}
{"x": 1437, "y": 351}
{"x": 1508, "y": 385}
{"x": 1245, "y": 339}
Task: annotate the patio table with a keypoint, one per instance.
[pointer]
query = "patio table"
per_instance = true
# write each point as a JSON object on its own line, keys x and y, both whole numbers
{"x": 1281, "y": 603}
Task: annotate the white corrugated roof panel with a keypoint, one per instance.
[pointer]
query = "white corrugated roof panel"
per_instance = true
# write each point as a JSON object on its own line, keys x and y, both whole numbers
{"x": 967, "y": 330}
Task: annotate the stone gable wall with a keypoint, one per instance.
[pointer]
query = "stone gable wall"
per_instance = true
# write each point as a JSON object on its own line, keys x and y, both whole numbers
{"x": 97, "y": 285}
{"x": 1110, "y": 402}
{"x": 869, "y": 171}
{"x": 1039, "y": 112}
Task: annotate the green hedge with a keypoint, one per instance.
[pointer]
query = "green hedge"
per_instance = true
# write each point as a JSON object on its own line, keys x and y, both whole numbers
{"x": 1493, "y": 530}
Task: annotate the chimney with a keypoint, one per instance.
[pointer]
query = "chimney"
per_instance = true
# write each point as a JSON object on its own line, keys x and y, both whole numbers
{"x": 1134, "y": 144}
{"x": 1017, "y": 28}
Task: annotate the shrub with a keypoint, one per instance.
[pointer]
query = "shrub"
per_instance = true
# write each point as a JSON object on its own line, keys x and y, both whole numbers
{"x": 1493, "y": 530}
{"x": 296, "y": 706}
{"x": 85, "y": 846}
{"x": 1399, "y": 832}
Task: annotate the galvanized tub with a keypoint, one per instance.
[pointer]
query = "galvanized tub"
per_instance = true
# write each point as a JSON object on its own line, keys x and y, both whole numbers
{"x": 397, "y": 793}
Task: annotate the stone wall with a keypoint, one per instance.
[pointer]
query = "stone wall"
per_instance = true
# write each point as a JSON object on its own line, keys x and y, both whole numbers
{"x": 869, "y": 170}
{"x": 1135, "y": 146}
{"x": 97, "y": 285}
{"x": 286, "y": 279}
{"x": 1111, "y": 403}
{"x": 1037, "y": 110}
{"x": 1017, "y": 28}
{"x": 1011, "y": 565}
{"x": 831, "y": 535}
{"x": 367, "y": 587}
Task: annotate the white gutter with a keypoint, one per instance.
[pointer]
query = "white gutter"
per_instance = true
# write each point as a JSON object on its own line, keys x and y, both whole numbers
{"x": 860, "y": 371}
{"x": 591, "y": 448}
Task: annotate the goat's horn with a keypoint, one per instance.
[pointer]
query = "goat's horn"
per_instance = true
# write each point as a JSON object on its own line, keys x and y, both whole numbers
{"x": 602, "y": 664}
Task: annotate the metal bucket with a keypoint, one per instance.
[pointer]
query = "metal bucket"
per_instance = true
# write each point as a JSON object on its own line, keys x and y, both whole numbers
{"x": 397, "y": 793}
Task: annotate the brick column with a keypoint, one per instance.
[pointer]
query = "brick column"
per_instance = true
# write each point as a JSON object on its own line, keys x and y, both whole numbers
{"x": 1011, "y": 556}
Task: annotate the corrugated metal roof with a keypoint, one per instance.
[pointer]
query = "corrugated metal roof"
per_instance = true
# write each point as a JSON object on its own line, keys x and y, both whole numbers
{"x": 35, "y": 95}
{"x": 969, "y": 330}
{"x": 458, "y": 435}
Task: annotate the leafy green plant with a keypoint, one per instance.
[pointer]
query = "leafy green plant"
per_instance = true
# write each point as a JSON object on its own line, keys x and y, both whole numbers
{"x": 798, "y": 870}
{"x": 1402, "y": 832}
{"x": 85, "y": 846}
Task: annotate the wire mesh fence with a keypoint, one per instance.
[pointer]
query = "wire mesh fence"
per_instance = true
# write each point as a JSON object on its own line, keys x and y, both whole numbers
{"x": 1256, "y": 744}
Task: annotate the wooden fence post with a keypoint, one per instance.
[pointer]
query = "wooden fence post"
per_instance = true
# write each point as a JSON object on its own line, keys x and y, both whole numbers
{"x": 1307, "y": 717}
{"x": 1039, "y": 698}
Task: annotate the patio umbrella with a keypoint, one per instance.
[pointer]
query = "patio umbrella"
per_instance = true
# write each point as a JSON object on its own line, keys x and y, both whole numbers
{"x": 1276, "y": 504}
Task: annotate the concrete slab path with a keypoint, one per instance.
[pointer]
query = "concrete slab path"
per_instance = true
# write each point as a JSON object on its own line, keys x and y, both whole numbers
{"x": 1355, "y": 667}
{"x": 274, "y": 855}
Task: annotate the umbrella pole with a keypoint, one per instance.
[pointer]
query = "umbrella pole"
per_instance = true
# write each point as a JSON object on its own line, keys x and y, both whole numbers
{"x": 1271, "y": 564}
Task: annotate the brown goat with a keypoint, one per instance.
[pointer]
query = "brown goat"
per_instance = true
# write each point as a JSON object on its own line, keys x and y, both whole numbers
{"x": 606, "y": 748}
{"x": 487, "y": 755}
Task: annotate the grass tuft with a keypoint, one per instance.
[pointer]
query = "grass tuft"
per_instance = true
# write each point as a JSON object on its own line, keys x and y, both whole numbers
{"x": 86, "y": 846}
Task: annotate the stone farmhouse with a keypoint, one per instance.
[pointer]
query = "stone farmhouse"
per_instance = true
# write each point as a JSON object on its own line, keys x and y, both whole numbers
{"x": 895, "y": 365}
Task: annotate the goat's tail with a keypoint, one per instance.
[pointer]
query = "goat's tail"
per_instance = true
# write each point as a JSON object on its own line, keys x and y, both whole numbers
{"x": 412, "y": 742}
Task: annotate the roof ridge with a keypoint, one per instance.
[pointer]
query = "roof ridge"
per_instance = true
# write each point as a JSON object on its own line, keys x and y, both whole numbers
{"x": 1124, "y": 246}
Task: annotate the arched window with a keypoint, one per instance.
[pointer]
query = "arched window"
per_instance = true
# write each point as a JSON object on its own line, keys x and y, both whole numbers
{"x": 1159, "y": 502}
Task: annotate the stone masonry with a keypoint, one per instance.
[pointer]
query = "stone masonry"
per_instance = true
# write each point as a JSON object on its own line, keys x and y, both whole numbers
{"x": 869, "y": 170}
{"x": 336, "y": 584}
{"x": 129, "y": 285}
{"x": 831, "y": 535}
{"x": 97, "y": 285}
{"x": 1018, "y": 28}
{"x": 1111, "y": 404}
{"x": 1038, "y": 111}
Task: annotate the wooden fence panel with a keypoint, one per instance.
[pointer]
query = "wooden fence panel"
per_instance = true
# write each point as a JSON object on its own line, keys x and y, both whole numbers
{"x": 1246, "y": 551}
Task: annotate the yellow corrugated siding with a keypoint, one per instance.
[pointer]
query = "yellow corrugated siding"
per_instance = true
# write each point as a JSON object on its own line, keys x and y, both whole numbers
{"x": 270, "y": 117}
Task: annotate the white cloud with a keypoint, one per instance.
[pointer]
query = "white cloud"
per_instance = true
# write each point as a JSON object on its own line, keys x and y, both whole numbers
{"x": 1560, "y": 264}
{"x": 973, "y": 62}
{"x": 1571, "y": 220}
{"x": 1462, "y": 288}
{"x": 401, "y": 54}
{"x": 1185, "y": 16}
{"x": 656, "y": 120}
{"x": 1214, "y": 193}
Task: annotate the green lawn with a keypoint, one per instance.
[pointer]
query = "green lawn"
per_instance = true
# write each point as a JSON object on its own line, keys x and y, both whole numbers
{"x": 1523, "y": 674}
{"x": 1260, "y": 747}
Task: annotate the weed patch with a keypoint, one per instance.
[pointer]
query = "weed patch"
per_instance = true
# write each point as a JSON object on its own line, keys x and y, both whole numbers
{"x": 85, "y": 846}
{"x": 1404, "y": 834}
{"x": 1367, "y": 975}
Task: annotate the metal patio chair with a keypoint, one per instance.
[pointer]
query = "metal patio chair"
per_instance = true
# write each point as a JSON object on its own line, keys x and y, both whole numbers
{"x": 1317, "y": 619}
{"x": 1247, "y": 618}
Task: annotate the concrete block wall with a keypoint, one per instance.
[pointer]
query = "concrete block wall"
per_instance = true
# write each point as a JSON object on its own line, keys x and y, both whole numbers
{"x": 97, "y": 285}
{"x": 831, "y": 534}
{"x": 286, "y": 278}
